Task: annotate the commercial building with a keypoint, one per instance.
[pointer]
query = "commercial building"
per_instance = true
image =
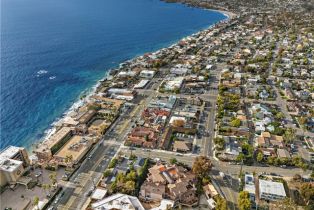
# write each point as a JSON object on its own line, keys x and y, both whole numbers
{"x": 122, "y": 94}
{"x": 87, "y": 116}
{"x": 141, "y": 84}
{"x": 173, "y": 83}
{"x": 108, "y": 103}
{"x": 13, "y": 163}
{"x": 182, "y": 146}
{"x": 269, "y": 190}
{"x": 147, "y": 74}
{"x": 118, "y": 201}
{"x": 98, "y": 126}
{"x": 72, "y": 152}
{"x": 49, "y": 147}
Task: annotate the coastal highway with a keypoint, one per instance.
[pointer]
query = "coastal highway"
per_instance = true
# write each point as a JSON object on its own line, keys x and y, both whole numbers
{"x": 76, "y": 191}
{"x": 96, "y": 162}
{"x": 93, "y": 166}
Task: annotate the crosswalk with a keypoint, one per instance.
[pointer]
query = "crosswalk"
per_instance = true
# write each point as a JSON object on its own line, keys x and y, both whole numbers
{"x": 82, "y": 184}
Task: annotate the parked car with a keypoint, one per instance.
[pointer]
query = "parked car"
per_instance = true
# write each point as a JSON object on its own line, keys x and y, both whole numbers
{"x": 38, "y": 174}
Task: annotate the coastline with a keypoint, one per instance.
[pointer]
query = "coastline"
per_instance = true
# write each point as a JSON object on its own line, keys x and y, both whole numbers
{"x": 228, "y": 14}
{"x": 87, "y": 93}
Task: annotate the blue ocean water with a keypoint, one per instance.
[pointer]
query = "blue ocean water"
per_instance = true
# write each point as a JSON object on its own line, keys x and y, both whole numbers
{"x": 52, "y": 50}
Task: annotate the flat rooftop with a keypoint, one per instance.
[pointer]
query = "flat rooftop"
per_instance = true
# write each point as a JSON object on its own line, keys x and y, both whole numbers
{"x": 74, "y": 147}
{"x": 9, "y": 152}
{"x": 119, "y": 201}
{"x": 10, "y": 165}
{"x": 54, "y": 139}
{"x": 109, "y": 101}
{"x": 270, "y": 187}
{"x": 141, "y": 84}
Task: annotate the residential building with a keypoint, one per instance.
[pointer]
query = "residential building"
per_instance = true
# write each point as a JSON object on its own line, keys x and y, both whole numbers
{"x": 169, "y": 181}
{"x": 164, "y": 205}
{"x": 249, "y": 186}
{"x": 210, "y": 191}
{"x": 13, "y": 163}
{"x": 269, "y": 190}
{"x": 99, "y": 194}
{"x": 142, "y": 137}
{"x": 283, "y": 153}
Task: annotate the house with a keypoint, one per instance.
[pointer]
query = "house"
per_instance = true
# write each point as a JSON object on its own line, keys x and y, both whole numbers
{"x": 259, "y": 126}
{"x": 154, "y": 117}
{"x": 142, "y": 137}
{"x": 283, "y": 153}
{"x": 99, "y": 194}
{"x": 264, "y": 94}
{"x": 268, "y": 140}
{"x": 152, "y": 192}
{"x": 108, "y": 103}
{"x": 211, "y": 203}
{"x": 271, "y": 191}
{"x": 163, "y": 102}
{"x": 232, "y": 146}
{"x": 164, "y": 204}
{"x": 249, "y": 186}
{"x": 286, "y": 84}
{"x": 310, "y": 124}
{"x": 289, "y": 93}
{"x": 169, "y": 181}
{"x": 210, "y": 191}
{"x": 303, "y": 94}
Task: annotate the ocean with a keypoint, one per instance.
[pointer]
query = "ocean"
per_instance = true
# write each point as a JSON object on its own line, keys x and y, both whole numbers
{"x": 54, "y": 50}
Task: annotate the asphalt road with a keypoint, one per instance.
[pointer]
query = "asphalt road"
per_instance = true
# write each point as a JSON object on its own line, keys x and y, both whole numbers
{"x": 75, "y": 191}
{"x": 100, "y": 157}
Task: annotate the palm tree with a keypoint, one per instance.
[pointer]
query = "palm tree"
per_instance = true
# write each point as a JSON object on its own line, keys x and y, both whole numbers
{"x": 46, "y": 187}
{"x": 53, "y": 178}
{"x": 36, "y": 201}
{"x": 68, "y": 160}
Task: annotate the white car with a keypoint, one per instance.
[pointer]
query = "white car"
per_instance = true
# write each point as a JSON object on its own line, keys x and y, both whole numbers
{"x": 38, "y": 174}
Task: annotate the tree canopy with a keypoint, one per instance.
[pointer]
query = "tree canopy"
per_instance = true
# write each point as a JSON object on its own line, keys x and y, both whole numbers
{"x": 307, "y": 192}
{"x": 221, "y": 203}
{"x": 235, "y": 123}
{"x": 202, "y": 166}
{"x": 244, "y": 201}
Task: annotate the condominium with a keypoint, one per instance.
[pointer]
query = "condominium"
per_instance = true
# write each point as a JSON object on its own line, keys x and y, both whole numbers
{"x": 13, "y": 163}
